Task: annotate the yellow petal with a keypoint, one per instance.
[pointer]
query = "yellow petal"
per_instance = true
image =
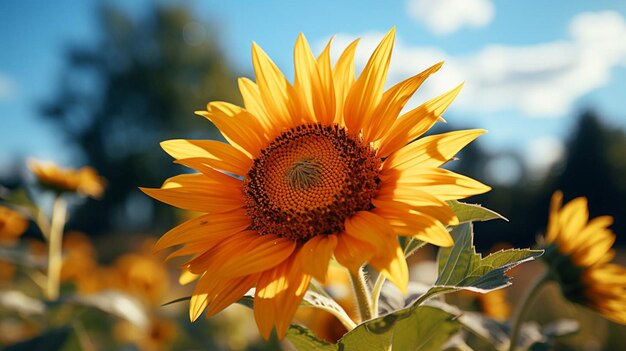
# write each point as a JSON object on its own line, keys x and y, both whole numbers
{"x": 187, "y": 277}
{"x": 553, "y": 223}
{"x": 278, "y": 294}
{"x": 242, "y": 254}
{"x": 201, "y": 195}
{"x": 229, "y": 118}
{"x": 408, "y": 222}
{"x": 315, "y": 255}
{"x": 230, "y": 292}
{"x": 351, "y": 252}
{"x": 253, "y": 102}
{"x": 318, "y": 101}
{"x": 368, "y": 88}
{"x": 326, "y": 76}
{"x": 371, "y": 228}
{"x": 217, "y": 177}
{"x": 217, "y": 154}
{"x": 343, "y": 79}
{"x": 199, "y": 297}
{"x": 444, "y": 184}
{"x": 278, "y": 95}
{"x": 209, "y": 229}
{"x": 431, "y": 151}
{"x": 391, "y": 104}
{"x": 416, "y": 122}
{"x": 417, "y": 200}
{"x": 392, "y": 265}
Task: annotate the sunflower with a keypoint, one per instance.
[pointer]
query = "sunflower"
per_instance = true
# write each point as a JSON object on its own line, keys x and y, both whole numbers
{"x": 319, "y": 169}
{"x": 84, "y": 181}
{"x": 578, "y": 251}
{"x": 12, "y": 224}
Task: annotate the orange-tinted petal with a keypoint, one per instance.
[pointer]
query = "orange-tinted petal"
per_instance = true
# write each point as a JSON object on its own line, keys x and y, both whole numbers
{"x": 319, "y": 102}
{"x": 368, "y": 88}
{"x": 392, "y": 265}
{"x": 391, "y": 104}
{"x": 343, "y": 78}
{"x": 315, "y": 255}
{"x": 431, "y": 151}
{"x": 369, "y": 227}
{"x": 406, "y": 221}
{"x": 217, "y": 154}
{"x": 351, "y": 252}
{"x": 416, "y": 122}
{"x": 253, "y": 102}
{"x": 209, "y": 229}
{"x": 278, "y": 95}
{"x": 195, "y": 192}
{"x": 243, "y": 254}
{"x": 229, "y": 119}
{"x": 442, "y": 183}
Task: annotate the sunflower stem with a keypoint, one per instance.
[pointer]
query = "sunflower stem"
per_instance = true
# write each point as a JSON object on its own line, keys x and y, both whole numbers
{"x": 378, "y": 287}
{"x": 524, "y": 306}
{"x": 362, "y": 294}
{"x": 55, "y": 242}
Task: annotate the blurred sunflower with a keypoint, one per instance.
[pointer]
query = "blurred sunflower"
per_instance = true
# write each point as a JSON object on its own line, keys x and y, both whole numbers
{"x": 320, "y": 168}
{"x": 12, "y": 224}
{"x": 578, "y": 252}
{"x": 159, "y": 334}
{"x": 79, "y": 258}
{"x": 84, "y": 181}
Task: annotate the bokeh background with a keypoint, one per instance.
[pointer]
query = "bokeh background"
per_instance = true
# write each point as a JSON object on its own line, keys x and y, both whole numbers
{"x": 101, "y": 83}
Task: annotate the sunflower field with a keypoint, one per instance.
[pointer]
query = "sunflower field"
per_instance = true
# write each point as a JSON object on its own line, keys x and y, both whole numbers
{"x": 328, "y": 195}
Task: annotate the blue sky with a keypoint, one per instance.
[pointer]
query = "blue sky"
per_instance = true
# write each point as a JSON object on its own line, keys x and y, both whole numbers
{"x": 529, "y": 66}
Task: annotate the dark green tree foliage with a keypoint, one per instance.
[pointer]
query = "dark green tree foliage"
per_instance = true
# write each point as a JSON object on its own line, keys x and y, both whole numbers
{"x": 134, "y": 87}
{"x": 595, "y": 167}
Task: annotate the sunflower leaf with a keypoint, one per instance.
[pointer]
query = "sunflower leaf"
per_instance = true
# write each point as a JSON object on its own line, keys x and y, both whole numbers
{"x": 304, "y": 339}
{"x": 322, "y": 302}
{"x": 473, "y": 212}
{"x": 419, "y": 328}
{"x": 410, "y": 245}
{"x": 461, "y": 268}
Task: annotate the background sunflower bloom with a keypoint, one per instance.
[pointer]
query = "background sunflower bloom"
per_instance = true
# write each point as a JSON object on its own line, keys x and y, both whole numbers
{"x": 84, "y": 181}
{"x": 579, "y": 254}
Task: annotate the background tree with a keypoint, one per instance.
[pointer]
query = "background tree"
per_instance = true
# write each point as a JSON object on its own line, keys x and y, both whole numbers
{"x": 136, "y": 86}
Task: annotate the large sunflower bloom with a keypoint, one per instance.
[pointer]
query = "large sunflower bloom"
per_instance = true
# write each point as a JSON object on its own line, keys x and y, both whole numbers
{"x": 579, "y": 254}
{"x": 321, "y": 168}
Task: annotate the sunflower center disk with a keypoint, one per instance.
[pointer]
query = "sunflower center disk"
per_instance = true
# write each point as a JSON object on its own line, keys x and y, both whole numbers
{"x": 308, "y": 180}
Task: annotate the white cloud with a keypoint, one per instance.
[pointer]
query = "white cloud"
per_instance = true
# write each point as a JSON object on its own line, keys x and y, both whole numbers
{"x": 6, "y": 87}
{"x": 539, "y": 80}
{"x": 448, "y": 16}
{"x": 542, "y": 153}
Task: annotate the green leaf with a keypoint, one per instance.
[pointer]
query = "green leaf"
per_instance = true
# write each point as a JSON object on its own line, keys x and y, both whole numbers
{"x": 473, "y": 212}
{"x": 420, "y": 328}
{"x": 303, "y": 339}
{"x": 50, "y": 340}
{"x": 428, "y": 328}
{"x": 461, "y": 268}
{"x": 410, "y": 245}
{"x": 180, "y": 299}
{"x": 323, "y": 302}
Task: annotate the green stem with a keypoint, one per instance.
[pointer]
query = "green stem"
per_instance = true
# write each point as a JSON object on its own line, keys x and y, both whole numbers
{"x": 362, "y": 294}
{"x": 524, "y": 307}
{"x": 55, "y": 247}
{"x": 378, "y": 287}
